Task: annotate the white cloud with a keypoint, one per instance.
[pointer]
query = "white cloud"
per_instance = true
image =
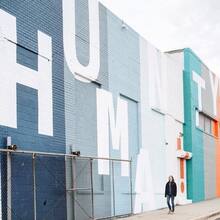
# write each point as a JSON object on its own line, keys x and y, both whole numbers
{"x": 174, "y": 24}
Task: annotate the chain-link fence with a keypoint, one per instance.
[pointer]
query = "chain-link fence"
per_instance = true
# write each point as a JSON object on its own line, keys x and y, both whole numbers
{"x": 46, "y": 186}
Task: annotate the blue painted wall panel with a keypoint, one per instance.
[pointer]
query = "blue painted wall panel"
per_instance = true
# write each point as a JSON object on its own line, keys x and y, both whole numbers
{"x": 32, "y": 16}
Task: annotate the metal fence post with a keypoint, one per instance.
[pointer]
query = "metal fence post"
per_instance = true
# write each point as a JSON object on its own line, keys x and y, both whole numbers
{"x": 113, "y": 187}
{"x": 131, "y": 191}
{"x": 34, "y": 186}
{"x": 73, "y": 160}
{"x": 92, "y": 192}
{"x": 8, "y": 186}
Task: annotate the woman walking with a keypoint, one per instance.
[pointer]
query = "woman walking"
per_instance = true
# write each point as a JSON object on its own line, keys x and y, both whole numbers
{"x": 170, "y": 193}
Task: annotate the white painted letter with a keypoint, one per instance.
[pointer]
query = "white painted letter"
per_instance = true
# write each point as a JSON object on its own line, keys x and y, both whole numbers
{"x": 12, "y": 73}
{"x": 156, "y": 81}
{"x": 84, "y": 73}
{"x": 118, "y": 128}
{"x": 214, "y": 86}
{"x": 201, "y": 84}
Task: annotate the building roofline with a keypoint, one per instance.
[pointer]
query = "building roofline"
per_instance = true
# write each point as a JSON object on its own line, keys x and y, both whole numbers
{"x": 187, "y": 49}
{"x": 174, "y": 51}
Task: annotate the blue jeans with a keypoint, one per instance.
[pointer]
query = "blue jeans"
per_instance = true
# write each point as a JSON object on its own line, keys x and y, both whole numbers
{"x": 171, "y": 207}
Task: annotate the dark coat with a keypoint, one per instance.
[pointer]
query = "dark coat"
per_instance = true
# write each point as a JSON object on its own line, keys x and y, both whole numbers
{"x": 173, "y": 189}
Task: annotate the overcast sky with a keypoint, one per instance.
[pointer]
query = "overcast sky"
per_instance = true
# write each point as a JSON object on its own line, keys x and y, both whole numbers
{"x": 175, "y": 24}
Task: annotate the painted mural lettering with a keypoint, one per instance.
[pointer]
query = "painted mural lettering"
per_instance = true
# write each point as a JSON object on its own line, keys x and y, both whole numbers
{"x": 159, "y": 113}
{"x": 84, "y": 73}
{"x": 156, "y": 79}
{"x": 144, "y": 188}
{"x": 214, "y": 88}
{"x": 201, "y": 85}
{"x": 118, "y": 127}
{"x": 12, "y": 73}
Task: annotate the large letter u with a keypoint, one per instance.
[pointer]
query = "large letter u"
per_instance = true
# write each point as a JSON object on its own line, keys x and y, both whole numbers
{"x": 84, "y": 73}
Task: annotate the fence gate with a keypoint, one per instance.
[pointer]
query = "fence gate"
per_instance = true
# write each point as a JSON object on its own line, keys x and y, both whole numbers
{"x": 81, "y": 190}
{"x": 99, "y": 196}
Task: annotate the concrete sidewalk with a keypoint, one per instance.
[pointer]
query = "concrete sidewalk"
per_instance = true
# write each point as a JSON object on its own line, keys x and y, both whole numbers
{"x": 209, "y": 209}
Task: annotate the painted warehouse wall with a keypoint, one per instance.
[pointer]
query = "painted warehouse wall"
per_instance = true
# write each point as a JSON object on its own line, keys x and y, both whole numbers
{"x": 75, "y": 77}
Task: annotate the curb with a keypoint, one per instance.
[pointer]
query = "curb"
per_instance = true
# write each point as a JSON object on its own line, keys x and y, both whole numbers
{"x": 205, "y": 217}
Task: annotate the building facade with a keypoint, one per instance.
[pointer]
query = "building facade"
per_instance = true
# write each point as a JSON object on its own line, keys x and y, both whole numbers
{"x": 74, "y": 77}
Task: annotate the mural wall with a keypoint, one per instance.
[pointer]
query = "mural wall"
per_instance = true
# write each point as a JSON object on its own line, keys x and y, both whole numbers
{"x": 74, "y": 77}
{"x": 201, "y": 131}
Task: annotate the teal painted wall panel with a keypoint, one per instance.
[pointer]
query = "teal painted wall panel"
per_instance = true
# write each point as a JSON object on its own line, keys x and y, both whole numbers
{"x": 193, "y": 137}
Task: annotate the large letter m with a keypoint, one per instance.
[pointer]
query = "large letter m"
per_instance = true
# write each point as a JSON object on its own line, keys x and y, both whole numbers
{"x": 118, "y": 127}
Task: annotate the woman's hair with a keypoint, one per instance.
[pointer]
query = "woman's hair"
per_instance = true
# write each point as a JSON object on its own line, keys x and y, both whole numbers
{"x": 172, "y": 178}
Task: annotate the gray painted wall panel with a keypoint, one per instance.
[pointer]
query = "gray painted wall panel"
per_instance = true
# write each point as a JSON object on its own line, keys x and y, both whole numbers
{"x": 209, "y": 166}
{"x": 207, "y": 101}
